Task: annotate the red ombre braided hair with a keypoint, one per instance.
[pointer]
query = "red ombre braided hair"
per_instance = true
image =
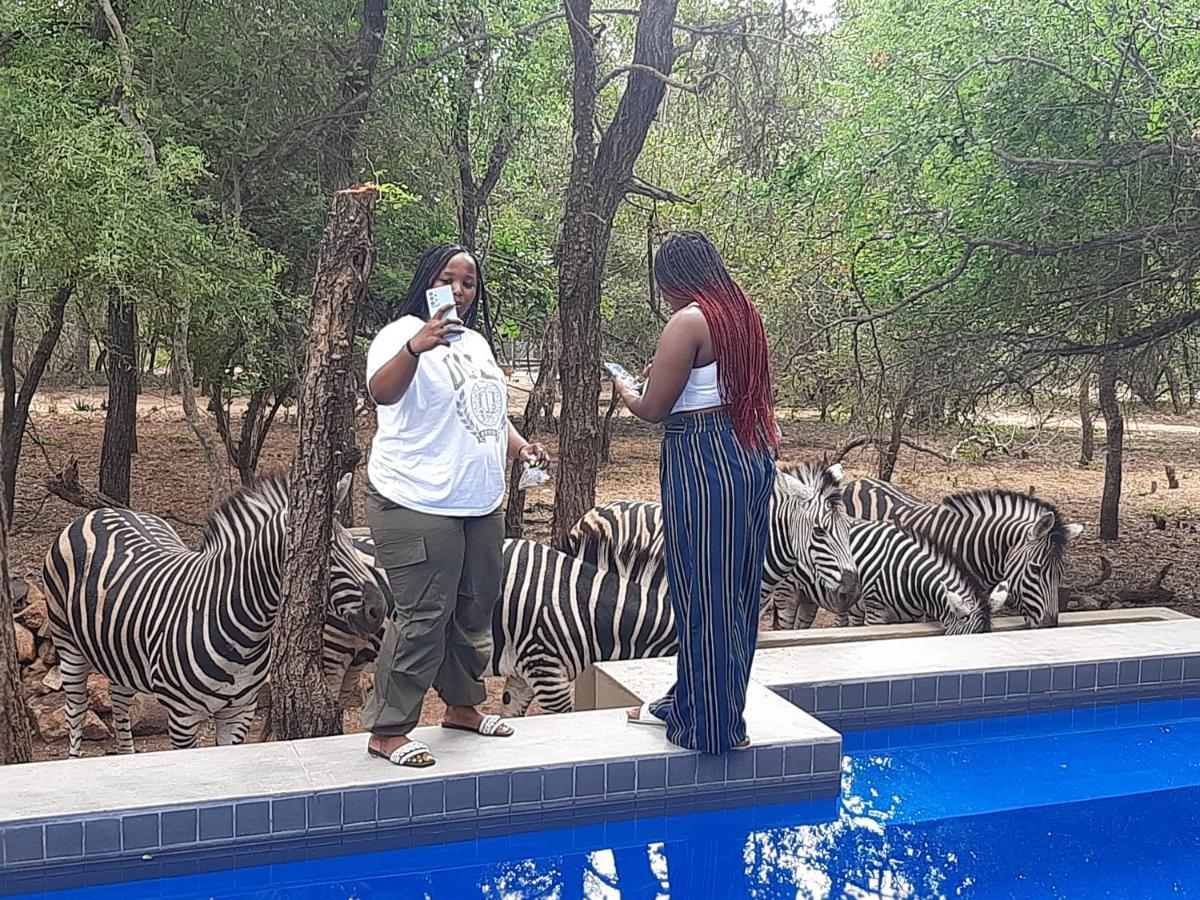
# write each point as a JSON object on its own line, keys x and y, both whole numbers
{"x": 689, "y": 268}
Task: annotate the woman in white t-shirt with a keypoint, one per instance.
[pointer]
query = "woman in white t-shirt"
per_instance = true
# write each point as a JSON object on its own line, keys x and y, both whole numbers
{"x": 436, "y": 478}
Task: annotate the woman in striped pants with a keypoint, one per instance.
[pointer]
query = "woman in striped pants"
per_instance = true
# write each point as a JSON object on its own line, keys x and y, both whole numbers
{"x": 711, "y": 387}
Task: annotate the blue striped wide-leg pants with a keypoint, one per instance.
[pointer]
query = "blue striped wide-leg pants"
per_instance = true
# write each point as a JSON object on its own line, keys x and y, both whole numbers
{"x": 716, "y": 499}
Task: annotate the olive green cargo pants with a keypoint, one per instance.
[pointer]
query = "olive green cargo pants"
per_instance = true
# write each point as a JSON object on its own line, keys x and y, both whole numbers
{"x": 444, "y": 573}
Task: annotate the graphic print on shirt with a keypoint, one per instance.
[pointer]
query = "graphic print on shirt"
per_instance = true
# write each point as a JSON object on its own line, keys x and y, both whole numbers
{"x": 479, "y": 400}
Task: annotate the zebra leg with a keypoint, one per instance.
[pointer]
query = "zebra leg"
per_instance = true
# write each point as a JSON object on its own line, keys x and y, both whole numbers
{"x": 345, "y": 693}
{"x": 122, "y": 700}
{"x": 805, "y": 614}
{"x": 551, "y": 688}
{"x": 184, "y": 729}
{"x": 75, "y": 671}
{"x": 232, "y": 723}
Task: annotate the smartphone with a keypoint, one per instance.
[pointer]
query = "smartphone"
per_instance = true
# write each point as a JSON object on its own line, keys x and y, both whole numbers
{"x": 618, "y": 371}
{"x": 439, "y": 297}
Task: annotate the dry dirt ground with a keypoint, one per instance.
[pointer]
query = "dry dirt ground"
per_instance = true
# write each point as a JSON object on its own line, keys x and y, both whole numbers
{"x": 168, "y": 480}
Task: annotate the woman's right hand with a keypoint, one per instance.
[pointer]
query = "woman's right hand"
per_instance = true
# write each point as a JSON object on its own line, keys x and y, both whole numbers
{"x": 433, "y": 332}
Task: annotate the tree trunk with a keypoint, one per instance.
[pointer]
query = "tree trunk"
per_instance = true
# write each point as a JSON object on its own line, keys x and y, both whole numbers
{"x": 600, "y": 175}
{"x": 339, "y": 169}
{"x": 301, "y": 703}
{"x": 1176, "y": 394}
{"x": 1087, "y": 439}
{"x": 15, "y": 744}
{"x": 537, "y": 418}
{"x": 17, "y": 401}
{"x": 891, "y": 453}
{"x": 218, "y": 473}
{"x": 120, "y": 421}
{"x": 1114, "y": 425}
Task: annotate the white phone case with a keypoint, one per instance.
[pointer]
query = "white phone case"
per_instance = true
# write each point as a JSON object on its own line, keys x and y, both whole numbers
{"x": 439, "y": 297}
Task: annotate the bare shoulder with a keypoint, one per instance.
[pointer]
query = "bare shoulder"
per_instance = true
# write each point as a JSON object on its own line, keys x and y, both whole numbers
{"x": 689, "y": 322}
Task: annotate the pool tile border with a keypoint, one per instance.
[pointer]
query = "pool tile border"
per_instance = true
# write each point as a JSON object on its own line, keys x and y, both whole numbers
{"x": 884, "y": 701}
{"x": 443, "y": 809}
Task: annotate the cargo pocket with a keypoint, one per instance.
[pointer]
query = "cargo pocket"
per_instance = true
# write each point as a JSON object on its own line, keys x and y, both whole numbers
{"x": 398, "y": 558}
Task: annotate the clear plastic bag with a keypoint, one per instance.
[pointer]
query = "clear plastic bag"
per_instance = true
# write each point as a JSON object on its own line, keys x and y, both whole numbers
{"x": 533, "y": 476}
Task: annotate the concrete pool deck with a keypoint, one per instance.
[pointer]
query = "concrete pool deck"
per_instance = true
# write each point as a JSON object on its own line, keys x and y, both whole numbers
{"x": 64, "y": 816}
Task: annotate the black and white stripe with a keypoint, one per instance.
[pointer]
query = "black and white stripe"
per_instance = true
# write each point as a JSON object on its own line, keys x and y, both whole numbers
{"x": 192, "y": 626}
{"x": 904, "y": 579}
{"x": 557, "y": 614}
{"x": 605, "y": 597}
{"x": 994, "y": 535}
{"x": 809, "y": 531}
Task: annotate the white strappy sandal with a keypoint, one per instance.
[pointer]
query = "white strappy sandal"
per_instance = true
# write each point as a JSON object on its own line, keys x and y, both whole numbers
{"x": 489, "y": 726}
{"x": 405, "y": 755}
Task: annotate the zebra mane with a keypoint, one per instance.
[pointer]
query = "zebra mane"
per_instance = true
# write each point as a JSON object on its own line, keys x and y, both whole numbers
{"x": 994, "y": 500}
{"x": 267, "y": 496}
{"x": 817, "y": 477}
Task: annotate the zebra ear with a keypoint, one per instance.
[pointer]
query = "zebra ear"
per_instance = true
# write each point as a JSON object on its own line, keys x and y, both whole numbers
{"x": 1073, "y": 531}
{"x": 837, "y": 473}
{"x": 341, "y": 492}
{"x": 998, "y": 597}
{"x": 958, "y": 603}
{"x": 1043, "y": 526}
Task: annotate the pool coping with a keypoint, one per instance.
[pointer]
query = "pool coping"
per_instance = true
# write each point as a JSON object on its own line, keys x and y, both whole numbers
{"x": 559, "y": 770}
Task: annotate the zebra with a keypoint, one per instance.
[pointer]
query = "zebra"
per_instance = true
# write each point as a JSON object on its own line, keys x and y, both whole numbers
{"x": 557, "y": 614}
{"x": 905, "y": 578}
{"x": 127, "y": 598}
{"x": 994, "y": 535}
{"x": 809, "y": 530}
{"x": 603, "y": 595}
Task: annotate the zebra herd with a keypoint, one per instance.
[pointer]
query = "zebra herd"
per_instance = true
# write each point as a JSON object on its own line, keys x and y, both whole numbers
{"x": 128, "y": 599}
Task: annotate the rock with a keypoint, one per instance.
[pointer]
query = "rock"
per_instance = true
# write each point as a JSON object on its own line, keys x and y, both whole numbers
{"x": 33, "y": 616}
{"x": 37, "y": 667}
{"x": 49, "y": 716}
{"x": 94, "y": 728}
{"x": 98, "y": 695}
{"x": 1090, "y": 603}
{"x": 47, "y": 653}
{"x": 149, "y": 716}
{"x": 54, "y": 679}
{"x": 18, "y": 588}
{"x": 26, "y": 646}
{"x": 1116, "y": 604}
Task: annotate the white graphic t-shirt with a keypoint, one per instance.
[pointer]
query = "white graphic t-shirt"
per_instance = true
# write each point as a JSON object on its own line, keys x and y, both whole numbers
{"x": 441, "y": 449}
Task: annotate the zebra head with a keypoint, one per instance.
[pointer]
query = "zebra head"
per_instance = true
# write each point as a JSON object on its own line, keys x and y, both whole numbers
{"x": 357, "y": 590}
{"x": 969, "y": 615}
{"x": 809, "y": 502}
{"x": 1035, "y": 561}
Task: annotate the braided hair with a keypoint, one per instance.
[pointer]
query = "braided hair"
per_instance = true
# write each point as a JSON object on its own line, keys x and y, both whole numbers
{"x": 429, "y": 267}
{"x": 688, "y": 267}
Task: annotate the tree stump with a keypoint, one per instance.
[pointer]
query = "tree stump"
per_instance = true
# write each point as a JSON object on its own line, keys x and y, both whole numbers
{"x": 301, "y": 703}
{"x": 15, "y": 745}
{"x": 1172, "y": 478}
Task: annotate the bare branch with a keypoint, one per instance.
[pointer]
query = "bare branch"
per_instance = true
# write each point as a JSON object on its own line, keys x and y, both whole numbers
{"x": 648, "y": 70}
{"x": 1156, "y": 151}
{"x": 654, "y": 192}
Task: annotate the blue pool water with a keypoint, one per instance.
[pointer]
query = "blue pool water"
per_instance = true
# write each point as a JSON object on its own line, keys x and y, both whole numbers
{"x": 1095, "y": 803}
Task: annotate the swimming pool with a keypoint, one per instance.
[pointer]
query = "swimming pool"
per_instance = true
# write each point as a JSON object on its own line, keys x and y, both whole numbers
{"x": 1099, "y": 802}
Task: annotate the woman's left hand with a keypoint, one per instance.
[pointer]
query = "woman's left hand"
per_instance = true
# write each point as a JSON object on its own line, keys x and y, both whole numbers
{"x": 535, "y": 454}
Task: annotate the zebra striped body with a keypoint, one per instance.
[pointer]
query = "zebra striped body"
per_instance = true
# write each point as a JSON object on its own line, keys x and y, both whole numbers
{"x": 605, "y": 596}
{"x": 809, "y": 531}
{"x": 557, "y": 614}
{"x": 127, "y": 598}
{"x": 993, "y": 535}
{"x": 904, "y": 579}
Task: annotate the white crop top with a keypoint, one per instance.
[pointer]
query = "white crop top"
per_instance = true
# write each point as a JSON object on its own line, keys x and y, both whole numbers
{"x": 702, "y": 391}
